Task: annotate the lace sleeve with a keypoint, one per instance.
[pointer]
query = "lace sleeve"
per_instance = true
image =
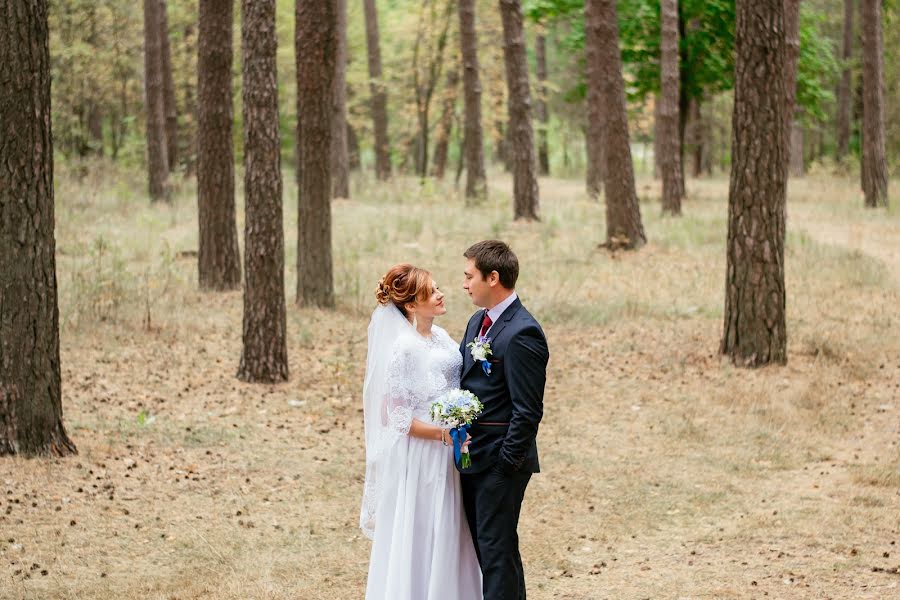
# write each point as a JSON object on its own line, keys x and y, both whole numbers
{"x": 403, "y": 388}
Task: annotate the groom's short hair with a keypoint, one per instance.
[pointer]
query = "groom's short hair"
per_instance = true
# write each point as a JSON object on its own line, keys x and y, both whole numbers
{"x": 494, "y": 255}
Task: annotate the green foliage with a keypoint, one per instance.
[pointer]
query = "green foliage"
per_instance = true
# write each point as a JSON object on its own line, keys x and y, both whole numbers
{"x": 817, "y": 66}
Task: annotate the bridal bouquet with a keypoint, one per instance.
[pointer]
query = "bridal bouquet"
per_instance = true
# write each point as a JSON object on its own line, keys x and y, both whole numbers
{"x": 456, "y": 410}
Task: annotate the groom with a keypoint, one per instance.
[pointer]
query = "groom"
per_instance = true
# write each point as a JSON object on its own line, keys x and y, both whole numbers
{"x": 511, "y": 387}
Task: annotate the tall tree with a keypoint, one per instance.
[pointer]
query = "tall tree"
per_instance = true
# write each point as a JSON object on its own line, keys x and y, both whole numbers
{"x": 169, "y": 105}
{"x": 843, "y": 116}
{"x": 794, "y": 135}
{"x": 695, "y": 136}
{"x": 428, "y": 61}
{"x": 624, "y": 228}
{"x": 445, "y": 124}
{"x": 219, "y": 261}
{"x": 157, "y": 154}
{"x": 316, "y": 49}
{"x": 754, "y": 330}
{"x": 521, "y": 132}
{"x": 476, "y": 184}
{"x": 540, "y": 105}
{"x": 378, "y": 93}
{"x": 30, "y": 380}
{"x": 340, "y": 158}
{"x": 264, "y": 354}
{"x": 874, "y": 168}
{"x": 595, "y": 147}
{"x": 669, "y": 119}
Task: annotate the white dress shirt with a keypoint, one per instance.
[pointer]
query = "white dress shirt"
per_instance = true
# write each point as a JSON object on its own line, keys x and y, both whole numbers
{"x": 495, "y": 312}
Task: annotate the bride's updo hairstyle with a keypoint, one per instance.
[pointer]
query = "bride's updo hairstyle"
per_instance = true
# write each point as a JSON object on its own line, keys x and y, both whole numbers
{"x": 402, "y": 284}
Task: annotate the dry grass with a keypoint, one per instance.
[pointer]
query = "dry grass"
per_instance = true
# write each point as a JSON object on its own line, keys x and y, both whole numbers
{"x": 667, "y": 472}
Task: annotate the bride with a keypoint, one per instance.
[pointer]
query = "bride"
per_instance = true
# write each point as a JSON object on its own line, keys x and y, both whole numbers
{"x": 412, "y": 502}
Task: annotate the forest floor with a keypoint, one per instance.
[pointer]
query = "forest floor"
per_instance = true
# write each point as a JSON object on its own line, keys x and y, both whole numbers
{"x": 667, "y": 472}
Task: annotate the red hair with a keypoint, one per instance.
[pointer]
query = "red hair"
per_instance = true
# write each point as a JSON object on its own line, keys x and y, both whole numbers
{"x": 404, "y": 283}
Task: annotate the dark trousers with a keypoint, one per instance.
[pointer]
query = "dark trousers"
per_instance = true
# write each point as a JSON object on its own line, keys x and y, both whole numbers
{"x": 493, "y": 501}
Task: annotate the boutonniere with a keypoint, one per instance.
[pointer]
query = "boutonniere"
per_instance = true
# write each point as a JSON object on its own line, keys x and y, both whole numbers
{"x": 480, "y": 349}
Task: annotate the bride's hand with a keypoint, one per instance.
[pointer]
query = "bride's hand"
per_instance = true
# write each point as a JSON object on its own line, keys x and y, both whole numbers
{"x": 468, "y": 441}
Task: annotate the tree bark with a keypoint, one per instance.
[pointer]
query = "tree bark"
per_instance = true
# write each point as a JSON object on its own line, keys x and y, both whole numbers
{"x": 340, "y": 159}
{"x": 30, "y": 379}
{"x": 521, "y": 133}
{"x": 670, "y": 142}
{"x": 797, "y": 159}
{"x": 595, "y": 146}
{"x": 264, "y": 354}
{"x": 425, "y": 80}
{"x": 316, "y": 49}
{"x": 792, "y": 42}
{"x": 157, "y": 152}
{"x": 843, "y": 95}
{"x": 624, "y": 228}
{"x": 754, "y": 326}
{"x": 353, "y": 148}
{"x": 874, "y": 172}
{"x": 95, "y": 127}
{"x": 476, "y": 184}
{"x": 695, "y": 137}
{"x": 219, "y": 261}
{"x": 379, "y": 95}
{"x": 543, "y": 117}
{"x": 445, "y": 124}
{"x": 169, "y": 105}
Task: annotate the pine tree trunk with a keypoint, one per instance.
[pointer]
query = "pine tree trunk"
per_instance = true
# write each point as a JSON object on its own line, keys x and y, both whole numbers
{"x": 30, "y": 380}
{"x": 353, "y": 148}
{"x": 798, "y": 164}
{"x": 875, "y": 179}
{"x": 264, "y": 354}
{"x": 670, "y": 143}
{"x": 157, "y": 154}
{"x": 843, "y": 95}
{"x": 521, "y": 133}
{"x": 219, "y": 261}
{"x": 657, "y": 138}
{"x": 476, "y": 184}
{"x": 169, "y": 106}
{"x": 445, "y": 124}
{"x": 624, "y": 228}
{"x": 792, "y": 42}
{"x": 595, "y": 146}
{"x": 543, "y": 117}
{"x": 754, "y": 330}
{"x": 316, "y": 49}
{"x": 379, "y": 95}
{"x": 340, "y": 159}
{"x": 95, "y": 128}
{"x": 695, "y": 137}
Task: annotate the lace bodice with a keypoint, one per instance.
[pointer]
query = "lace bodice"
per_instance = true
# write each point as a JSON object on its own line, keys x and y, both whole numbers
{"x": 421, "y": 370}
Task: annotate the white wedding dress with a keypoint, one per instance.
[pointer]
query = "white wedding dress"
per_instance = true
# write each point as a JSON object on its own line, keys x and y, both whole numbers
{"x": 412, "y": 504}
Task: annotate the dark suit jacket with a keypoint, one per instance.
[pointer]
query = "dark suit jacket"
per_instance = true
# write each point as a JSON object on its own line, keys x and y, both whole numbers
{"x": 513, "y": 393}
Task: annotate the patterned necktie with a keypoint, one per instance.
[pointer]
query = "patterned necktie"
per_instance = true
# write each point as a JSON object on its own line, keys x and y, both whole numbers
{"x": 485, "y": 323}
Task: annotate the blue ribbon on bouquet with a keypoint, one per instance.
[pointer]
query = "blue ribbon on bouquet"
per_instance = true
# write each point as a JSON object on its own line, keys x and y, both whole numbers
{"x": 458, "y": 435}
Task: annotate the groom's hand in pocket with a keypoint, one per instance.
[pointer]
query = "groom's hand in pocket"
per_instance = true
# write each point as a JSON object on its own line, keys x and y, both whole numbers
{"x": 503, "y": 468}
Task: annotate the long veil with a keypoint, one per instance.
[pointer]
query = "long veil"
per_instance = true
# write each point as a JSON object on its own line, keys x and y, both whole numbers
{"x": 386, "y": 326}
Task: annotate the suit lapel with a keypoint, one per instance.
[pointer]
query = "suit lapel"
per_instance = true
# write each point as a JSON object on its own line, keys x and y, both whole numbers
{"x": 494, "y": 333}
{"x": 467, "y": 355}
